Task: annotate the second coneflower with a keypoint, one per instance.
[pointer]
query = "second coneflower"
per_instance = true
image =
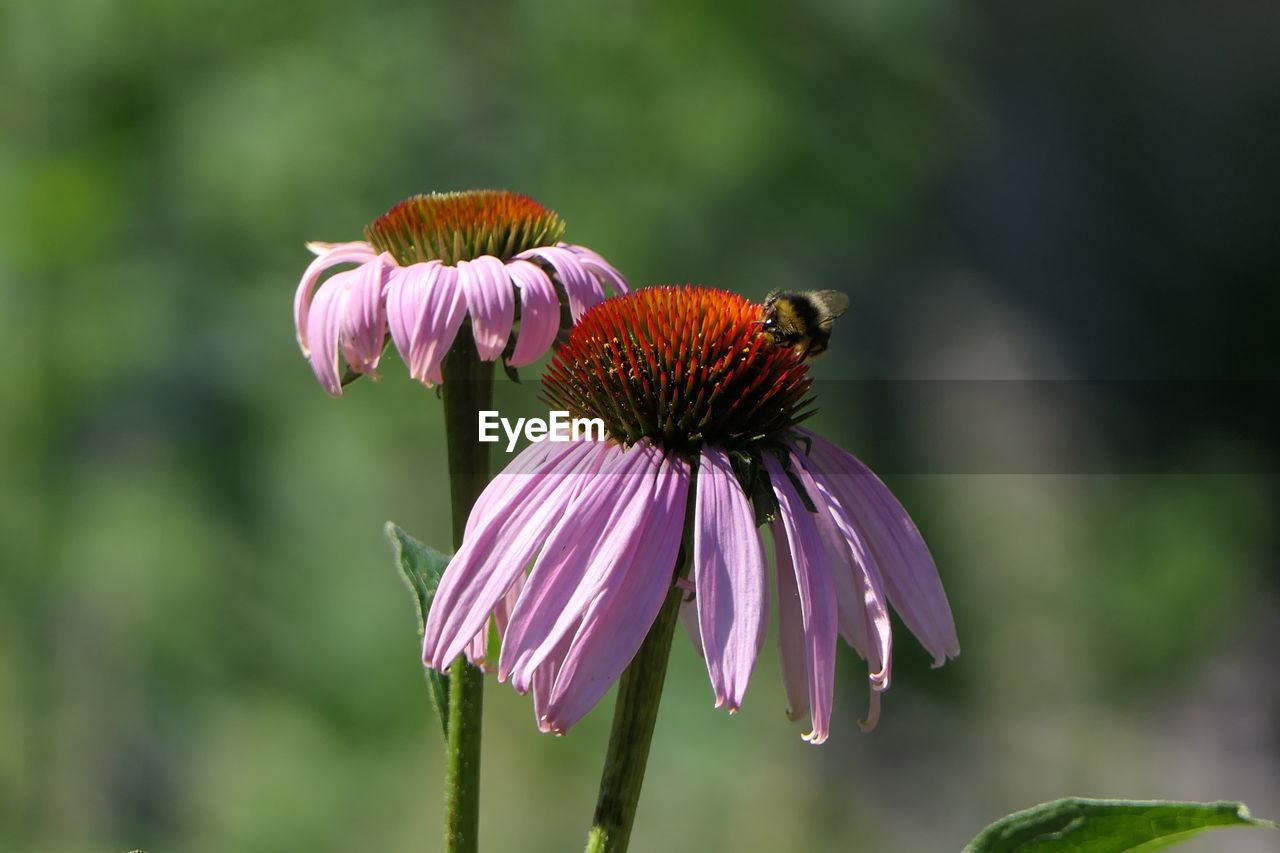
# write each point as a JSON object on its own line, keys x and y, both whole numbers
{"x": 701, "y": 411}
{"x": 431, "y": 262}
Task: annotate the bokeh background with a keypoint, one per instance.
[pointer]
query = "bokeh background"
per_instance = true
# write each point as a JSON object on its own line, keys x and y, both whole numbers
{"x": 1037, "y": 209}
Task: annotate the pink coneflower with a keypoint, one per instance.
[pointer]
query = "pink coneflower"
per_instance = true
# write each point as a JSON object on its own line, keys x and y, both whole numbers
{"x": 701, "y": 411}
{"x": 428, "y": 264}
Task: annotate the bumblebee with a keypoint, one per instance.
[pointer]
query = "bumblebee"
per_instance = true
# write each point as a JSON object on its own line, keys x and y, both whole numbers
{"x": 802, "y": 318}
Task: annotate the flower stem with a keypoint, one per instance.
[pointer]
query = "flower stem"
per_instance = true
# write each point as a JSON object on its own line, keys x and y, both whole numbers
{"x": 634, "y": 716}
{"x": 467, "y": 388}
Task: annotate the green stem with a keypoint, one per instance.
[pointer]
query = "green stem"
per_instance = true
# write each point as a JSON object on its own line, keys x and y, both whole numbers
{"x": 634, "y": 717}
{"x": 467, "y": 389}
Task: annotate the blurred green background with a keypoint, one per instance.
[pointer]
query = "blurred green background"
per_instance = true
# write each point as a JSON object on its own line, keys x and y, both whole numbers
{"x": 203, "y": 642}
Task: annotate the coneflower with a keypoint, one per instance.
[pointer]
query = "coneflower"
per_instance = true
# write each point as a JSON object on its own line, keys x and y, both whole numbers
{"x": 575, "y": 546}
{"x": 431, "y": 262}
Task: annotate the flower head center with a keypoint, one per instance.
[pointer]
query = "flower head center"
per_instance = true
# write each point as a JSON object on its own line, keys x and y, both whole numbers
{"x": 462, "y": 226}
{"x": 681, "y": 366}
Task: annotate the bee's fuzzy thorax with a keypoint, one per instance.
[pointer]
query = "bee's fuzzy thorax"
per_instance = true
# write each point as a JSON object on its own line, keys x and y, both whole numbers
{"x": 802, "y": 319}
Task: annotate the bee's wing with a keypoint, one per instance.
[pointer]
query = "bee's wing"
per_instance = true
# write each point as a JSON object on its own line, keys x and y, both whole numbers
{"x": 833, "y": 304}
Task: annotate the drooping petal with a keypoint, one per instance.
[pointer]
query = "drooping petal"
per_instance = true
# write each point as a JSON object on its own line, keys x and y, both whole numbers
{"x": 910, "y": 577}
{"x": 477, "y": 649}
{"x": 530, "y": 462}
{"x": 324, "y": 325}
{"x": 539, "y": 313}
{"x": 363, "y": 323}
{"x": 442, "y": 316}
{"x": 328, "y": 255}
{"x": 544, "y": 677}
{"x": 619, "y": 617}
{"x": 520, "y": 510}
{"x": 425, "y": 308}
{"x": 490, "y": 302}
{"x": 791, "y": 639}
{"x": 573, "y": 566}
{"x": 860, "y": 598}
{"x": 600, "y": 268}
{"x": 406, "y": 300}
{"x": 582, "y": 288}
{"x": 502, "y": 612}
{"x": 729, "y": 576}
{"x": 817, "y": 597}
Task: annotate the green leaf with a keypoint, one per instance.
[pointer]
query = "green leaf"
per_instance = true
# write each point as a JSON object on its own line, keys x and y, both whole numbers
{"x": 1080, "y": 825}
{"x": 421, "y": 567}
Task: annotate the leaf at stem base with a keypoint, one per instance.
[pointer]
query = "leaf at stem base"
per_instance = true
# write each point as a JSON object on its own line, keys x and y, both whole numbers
{"x": 420, "y": 568}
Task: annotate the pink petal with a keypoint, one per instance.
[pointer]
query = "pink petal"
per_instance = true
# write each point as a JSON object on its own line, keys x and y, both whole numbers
{"x": 324, "y": 325}
{"x": 519, "y": 510}
{"x": 529, "y": 462}
{"x": 596, "y": 528}
{"x": 425, "y": 309}
{"x": 621, "y": 614}
{"x": 600, "y": 268}
{"x": 859, "y": 587}
{"x": 728, "y": 572}
{"x": 817, "y": 597}
{"x": 329, "y": 255}
{"x": 860, "y": 598}
{"x": 539, "y": 313}
{"x": 445, "y": 310}
{"x": 502, "y": 611}
{"x": 406, "y": 301}
{"x": 791, "y": 641}
{"x": 544, "y": 678}
{"x": 477, "y": 650}
{"x": 363, "y": 325}
{"x": 490, "y": 302}
{"x": 580, "y": 287}
{"x": 910, "y": 577}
